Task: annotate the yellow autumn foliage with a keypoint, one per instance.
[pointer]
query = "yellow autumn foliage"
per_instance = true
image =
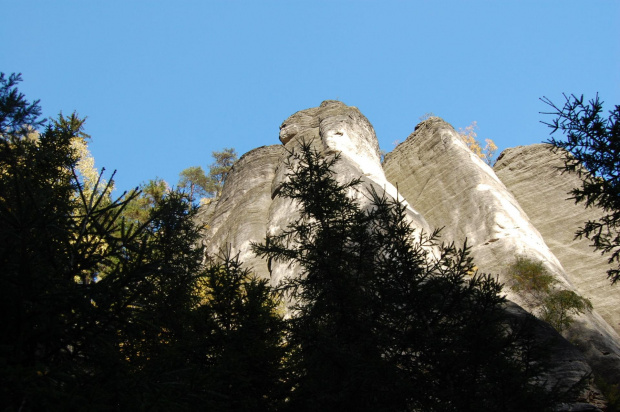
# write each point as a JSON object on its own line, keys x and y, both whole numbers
{"x": 470, "y": 137}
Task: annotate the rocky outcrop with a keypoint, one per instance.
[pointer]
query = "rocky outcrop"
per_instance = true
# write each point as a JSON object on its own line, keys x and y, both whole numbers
{"x": 454, "y": 189}
{"x": 446, "y": 186}
{"x": 240, "y": 215}
{"x": 533, "y": 174}
{"x": 249, "y": 208}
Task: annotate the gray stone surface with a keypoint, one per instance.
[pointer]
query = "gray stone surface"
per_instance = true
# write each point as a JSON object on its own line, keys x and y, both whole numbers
{"x": 249, "y": 207}
{"x": 533, "y": 175}
{"x": 453, "y": 188}
{"x": 241, "y": 213}
{"x": 332, "y": 128}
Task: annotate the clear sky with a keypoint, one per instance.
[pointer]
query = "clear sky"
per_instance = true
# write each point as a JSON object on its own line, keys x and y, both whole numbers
{"x": 165, "y": 83}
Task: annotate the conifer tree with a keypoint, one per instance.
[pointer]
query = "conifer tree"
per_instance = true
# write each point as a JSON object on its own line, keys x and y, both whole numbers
{"x": 238, "y": 337}
{"x": 195, "y": 181}
{"x": 105, "y": 312}
{"x": 55, "y": 244}
{"x": 592, "y": 151}
{"x": 379, "y": 321}
{"x": 16, "y": 113}
{"x": 198, "y": 184}
{"x": 219, "y": 169}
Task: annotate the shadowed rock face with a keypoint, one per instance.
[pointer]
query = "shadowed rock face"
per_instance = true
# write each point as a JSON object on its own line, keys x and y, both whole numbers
{"x": 445, "y": 184}
{"x": 533, "y": 175}
{"x": 453, "y": 188}
{"x": 569, "y": 365}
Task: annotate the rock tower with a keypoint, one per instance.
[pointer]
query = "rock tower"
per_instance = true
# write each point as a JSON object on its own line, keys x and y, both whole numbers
{"x": 519, "y": 207}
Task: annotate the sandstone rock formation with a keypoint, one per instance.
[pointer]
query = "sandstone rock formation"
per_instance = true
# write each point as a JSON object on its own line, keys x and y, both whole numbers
{"x": 454, "y": 189}
{"x": 533, "y": 174}
{"x": 242, "y": 211}
{"x": 249, "y": 208}
{"x": 444, "y": 183}
{"x": 332, "y": 128}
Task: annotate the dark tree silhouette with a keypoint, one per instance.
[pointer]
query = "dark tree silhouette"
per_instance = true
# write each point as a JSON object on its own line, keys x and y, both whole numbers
{"x": 592, "y": 151}
{"x": 379, "y": 322}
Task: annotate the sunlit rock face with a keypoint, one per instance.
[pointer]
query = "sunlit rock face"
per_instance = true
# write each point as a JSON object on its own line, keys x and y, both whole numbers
{"x": 333, "y": 128}
{"x": 454, "y": 189}
{"x": 533, "y": 174}
{"x": 338, "y": 128}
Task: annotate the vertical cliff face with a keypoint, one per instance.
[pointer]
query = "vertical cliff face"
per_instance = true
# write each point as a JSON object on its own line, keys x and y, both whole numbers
{"x": 446, "y": 186}
{"x": 533, "y": 174}
{"x": 242, "y": 212}
{"x": 454, "y": 189}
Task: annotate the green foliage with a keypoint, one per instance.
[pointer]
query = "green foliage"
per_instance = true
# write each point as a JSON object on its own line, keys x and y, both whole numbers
{"x": 149, "y": 195}
{"x": 16, "y": 113}
{"x": 556, "y": 306}
{"x": 219, "y": 169}
{"x": 197, "y": 183}
{"x": 530, "y": 276}
{"x": 560, "y": 304}
{"x": 194, "y": 180}
{"x": 211, "y": 341}
{"x": 591, "y": 150}
{"x": 239, "y": 339}
{"x": 381, "y": 323}
{"x": 55, "y": 241}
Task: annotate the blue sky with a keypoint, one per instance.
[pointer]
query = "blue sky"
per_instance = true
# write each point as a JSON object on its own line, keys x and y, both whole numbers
{"x": 165, "y": 83}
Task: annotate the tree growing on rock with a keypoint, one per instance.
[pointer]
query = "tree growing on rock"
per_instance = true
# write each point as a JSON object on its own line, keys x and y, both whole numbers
{"x": 197, "y": 183}
{"x": 470, "y": 137}
{"x": 219, "y": 169}
{"x": 557, "y": 306}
